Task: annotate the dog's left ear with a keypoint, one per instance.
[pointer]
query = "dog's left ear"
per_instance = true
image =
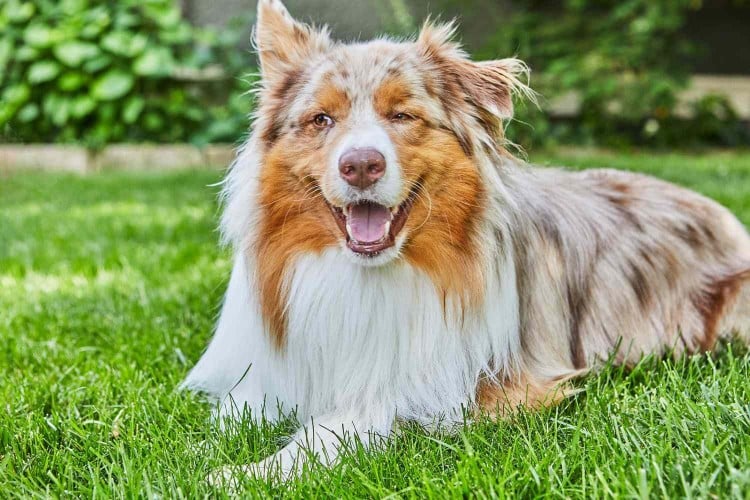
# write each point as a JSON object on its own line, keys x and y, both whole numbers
{"x": 488, "y": 85}
{"x": 492, "y": 84}
{"x": 283, "y": 44}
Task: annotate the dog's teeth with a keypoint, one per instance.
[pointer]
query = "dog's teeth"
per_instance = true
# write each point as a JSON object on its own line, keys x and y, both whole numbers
{"x": 346, "y": 212}
{"x": 349, "y": 230}
{"x": 387, "y": 229}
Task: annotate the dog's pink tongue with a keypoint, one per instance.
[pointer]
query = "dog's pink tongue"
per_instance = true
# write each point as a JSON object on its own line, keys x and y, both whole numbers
{"x": 367, "y": 222}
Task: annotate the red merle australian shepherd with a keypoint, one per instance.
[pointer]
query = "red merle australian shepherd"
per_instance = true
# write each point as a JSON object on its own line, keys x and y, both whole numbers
{"x": 392, "y": 261}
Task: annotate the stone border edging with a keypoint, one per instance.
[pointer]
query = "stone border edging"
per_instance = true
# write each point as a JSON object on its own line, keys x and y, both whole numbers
{"x": 64, "y": 158}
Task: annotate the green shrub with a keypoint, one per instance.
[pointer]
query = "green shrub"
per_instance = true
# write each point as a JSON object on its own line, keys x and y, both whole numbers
{"x": 626, "y": 60}
{"x": 101, "y": 71}
{"x": 97, "y": 72}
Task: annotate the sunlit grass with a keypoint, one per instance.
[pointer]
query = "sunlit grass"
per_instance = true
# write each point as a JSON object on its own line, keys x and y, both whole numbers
{"x": 110, "y": 284}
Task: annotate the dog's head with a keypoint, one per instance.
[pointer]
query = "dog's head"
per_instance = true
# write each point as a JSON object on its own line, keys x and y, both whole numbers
{"x": 373, "y": 146}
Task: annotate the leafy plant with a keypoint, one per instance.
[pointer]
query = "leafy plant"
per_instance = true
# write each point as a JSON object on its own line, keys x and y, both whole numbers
{"x": 626, "y": 61}
{"x": 101, "y": 71}
{"x": 106, "y": 71}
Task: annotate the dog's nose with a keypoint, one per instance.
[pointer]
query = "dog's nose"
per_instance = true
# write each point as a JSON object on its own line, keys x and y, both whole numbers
{"x": 362, "y": 167}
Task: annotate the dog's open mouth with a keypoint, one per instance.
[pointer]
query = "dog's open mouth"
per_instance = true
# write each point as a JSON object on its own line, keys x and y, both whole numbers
{"x": 369, "y": 227}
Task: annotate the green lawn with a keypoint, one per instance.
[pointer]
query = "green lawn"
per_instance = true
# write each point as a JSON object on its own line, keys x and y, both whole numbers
{"x": 110, "y": 284}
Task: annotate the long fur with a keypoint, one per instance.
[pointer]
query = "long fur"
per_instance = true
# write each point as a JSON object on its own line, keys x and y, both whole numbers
{"x": 507, "y": 280}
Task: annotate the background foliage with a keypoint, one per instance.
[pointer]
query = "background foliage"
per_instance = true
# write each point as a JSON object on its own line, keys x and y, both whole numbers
{"x": 108, "y": 71}
{"x": 626, "y": 61}
{"x": 99, "y": 72}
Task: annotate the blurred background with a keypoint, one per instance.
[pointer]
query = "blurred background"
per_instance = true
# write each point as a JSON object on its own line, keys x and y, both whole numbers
{"x": 611, "y": 73}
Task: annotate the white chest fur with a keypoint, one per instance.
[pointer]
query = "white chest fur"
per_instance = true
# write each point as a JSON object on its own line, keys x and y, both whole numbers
{"x": 360, "y": 339}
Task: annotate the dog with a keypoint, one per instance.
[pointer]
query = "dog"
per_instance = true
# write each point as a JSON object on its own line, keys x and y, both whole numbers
{"x": 394, "y": 262}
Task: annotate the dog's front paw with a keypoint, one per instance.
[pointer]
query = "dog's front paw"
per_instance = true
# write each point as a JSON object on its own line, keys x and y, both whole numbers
{"x": 228, "y": 477}
{"x": 279, "y": 467}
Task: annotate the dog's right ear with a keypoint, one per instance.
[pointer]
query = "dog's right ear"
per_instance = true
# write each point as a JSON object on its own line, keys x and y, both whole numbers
{"x": 283, "y": 43}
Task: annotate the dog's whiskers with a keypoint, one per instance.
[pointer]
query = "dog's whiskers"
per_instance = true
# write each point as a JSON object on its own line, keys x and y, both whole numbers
{"x": 420, "y": 194}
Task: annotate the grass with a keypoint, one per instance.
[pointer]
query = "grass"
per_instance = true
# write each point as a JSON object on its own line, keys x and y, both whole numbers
{"x": 109, "y": 286}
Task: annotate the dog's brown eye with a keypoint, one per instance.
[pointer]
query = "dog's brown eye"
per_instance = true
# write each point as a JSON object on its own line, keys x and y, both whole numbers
{"x": 401, "y": 117}
{"x": 323, "y": 121}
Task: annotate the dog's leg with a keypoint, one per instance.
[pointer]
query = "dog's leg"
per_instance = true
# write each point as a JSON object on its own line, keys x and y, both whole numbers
{"x": 321, "y": 440}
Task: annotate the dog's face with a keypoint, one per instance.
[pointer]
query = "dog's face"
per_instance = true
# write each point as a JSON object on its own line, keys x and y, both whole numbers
{"x": 372, "y": 146}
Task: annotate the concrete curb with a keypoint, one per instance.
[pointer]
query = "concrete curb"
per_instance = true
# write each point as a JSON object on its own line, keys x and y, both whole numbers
{"x": 56, "y": 158}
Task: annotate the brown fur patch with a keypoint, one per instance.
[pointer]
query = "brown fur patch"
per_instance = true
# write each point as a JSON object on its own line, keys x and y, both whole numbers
{"x": 689, "y": 234}
{"x": 699, "y": 230}
{"x": 331, "y": 100}
{"x": 504, "y": 399}
{"x": 714, "y": 302}
{"x": 274, "y": 104}
{"x": 443, "y": 222}
{"x": 394, "y": 96}
{"x": 639, "y": 284}
{"x": 619, "y": 196}
{"x": 621, "y": 187}
{"x": 578, "y": 300}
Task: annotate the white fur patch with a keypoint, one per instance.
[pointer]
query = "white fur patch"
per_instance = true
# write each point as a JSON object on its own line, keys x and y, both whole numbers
{"x": 365, "y": 340}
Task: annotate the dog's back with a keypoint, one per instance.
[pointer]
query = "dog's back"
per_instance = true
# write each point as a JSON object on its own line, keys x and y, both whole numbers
{"x": 624, "y": 261}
